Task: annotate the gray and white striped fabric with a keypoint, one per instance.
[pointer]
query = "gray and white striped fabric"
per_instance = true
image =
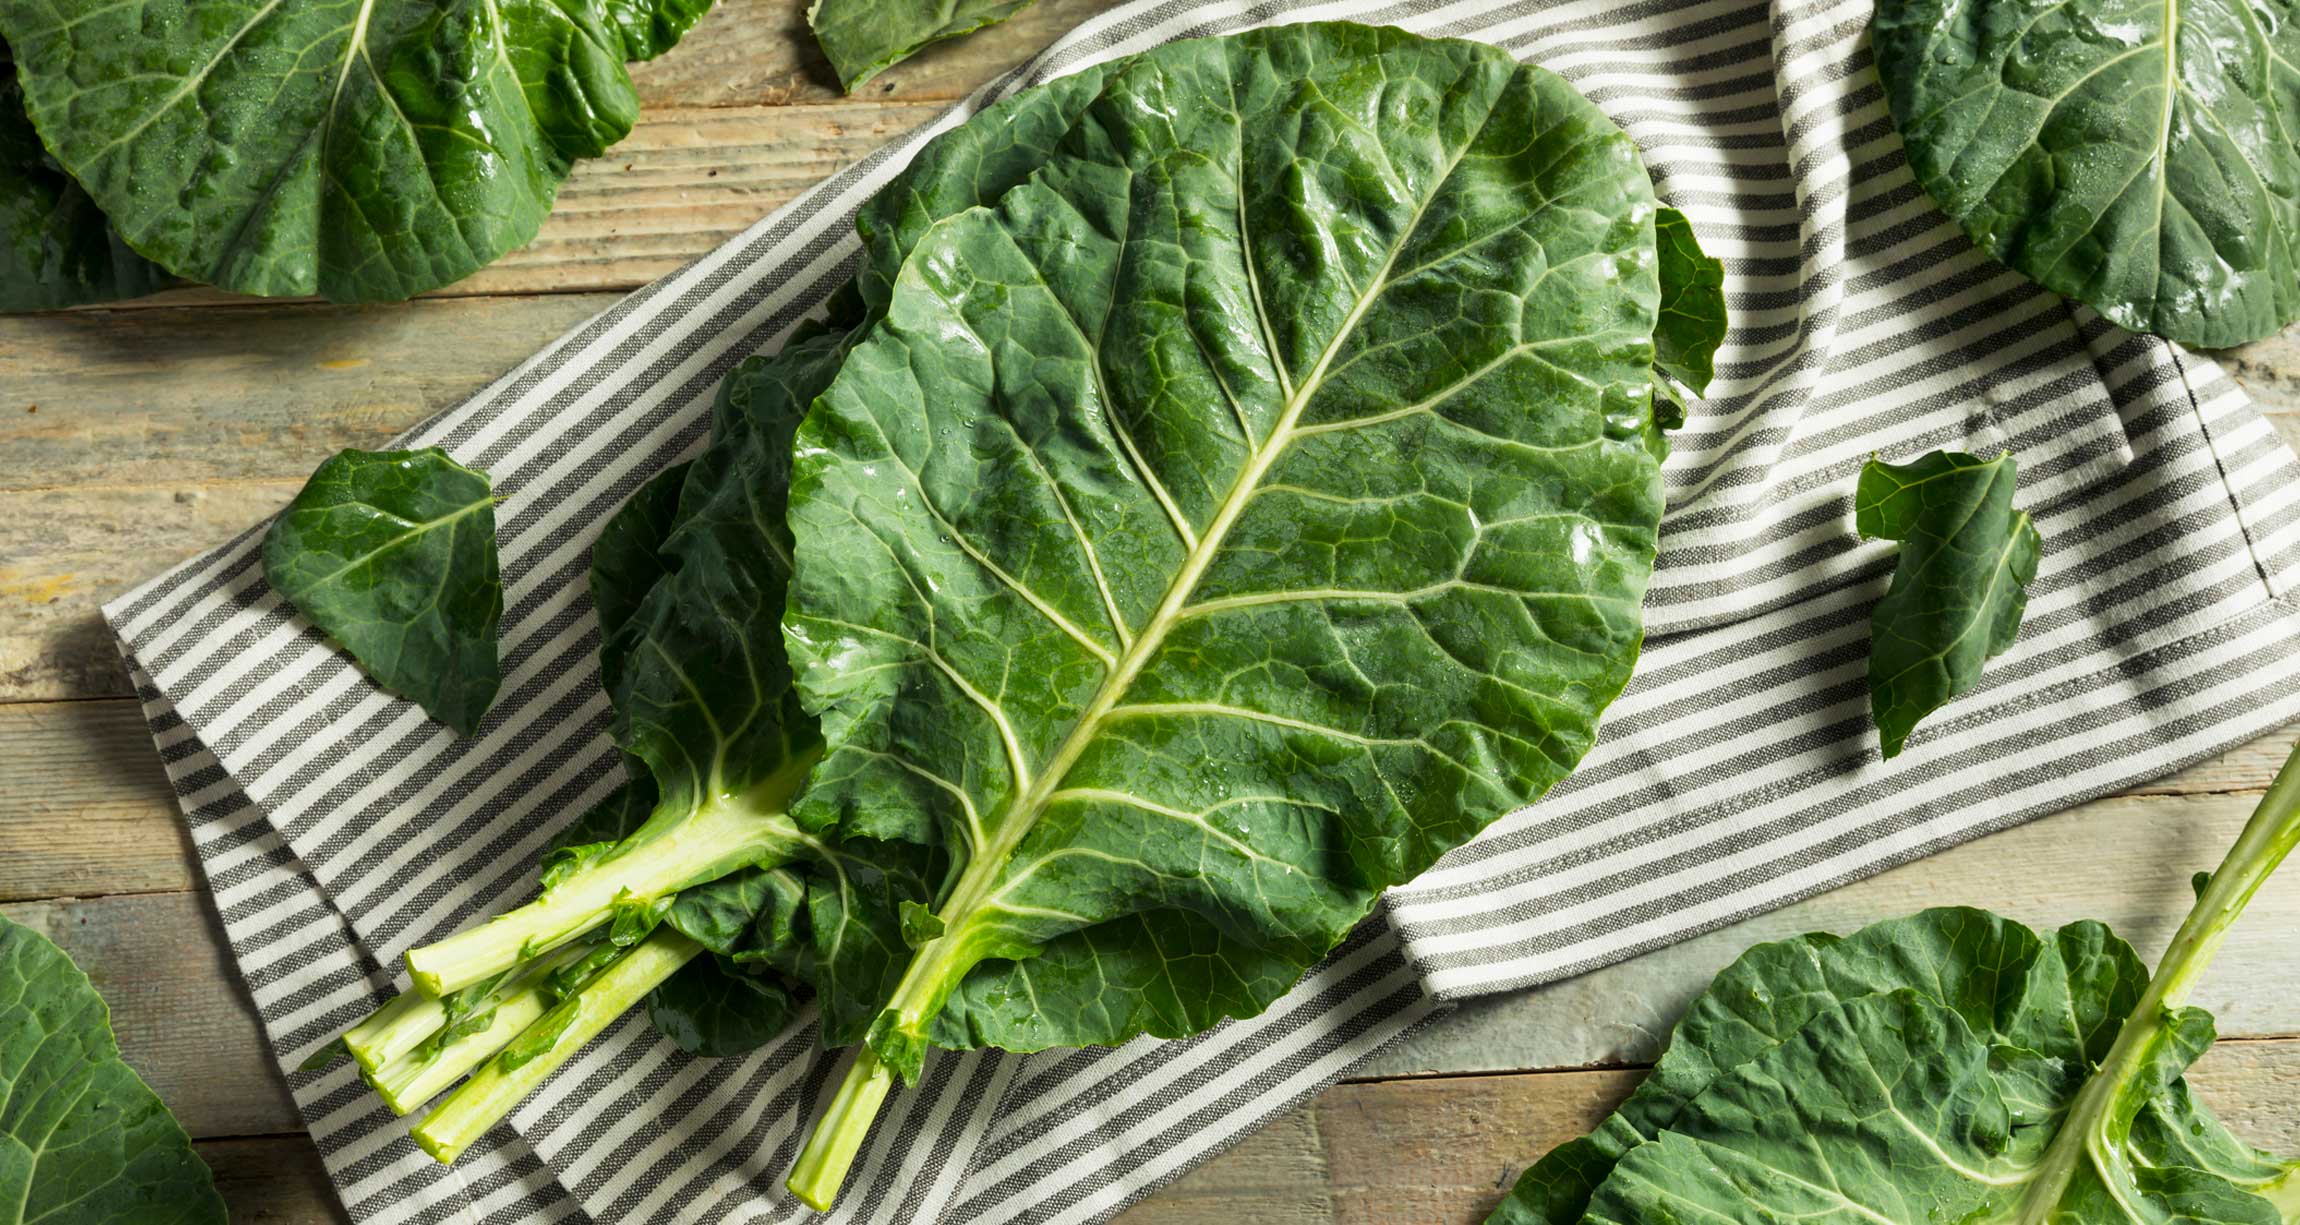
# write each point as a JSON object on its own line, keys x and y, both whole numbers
{"x": 338, "y": 826}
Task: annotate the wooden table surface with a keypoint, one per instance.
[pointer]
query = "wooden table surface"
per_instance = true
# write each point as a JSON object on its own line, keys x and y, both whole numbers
{"x": 134, "y": 436}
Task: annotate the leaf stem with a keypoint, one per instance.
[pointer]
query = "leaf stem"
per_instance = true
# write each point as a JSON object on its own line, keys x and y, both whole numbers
{"x": 839, "y": 1134}
{"x": 408, "y": 1082}
{"x": 542, "y": 1046}
{"x": 390, "y": 1032}
{"x": 2099, "y": 1109}
{"x": 718, "y": 837}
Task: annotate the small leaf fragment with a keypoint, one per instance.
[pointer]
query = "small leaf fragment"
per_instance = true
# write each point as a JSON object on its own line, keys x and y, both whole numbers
{"x": 1691, "y": 324}
{"x": 392, "y": 553}
{"x": 863, "y": 38}
{"x": 1959, "y": 588}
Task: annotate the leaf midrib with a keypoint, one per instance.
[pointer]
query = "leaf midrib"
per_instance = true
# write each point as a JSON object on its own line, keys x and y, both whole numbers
{"x": 978, "y": 881}
{"x": 420, "y": 528}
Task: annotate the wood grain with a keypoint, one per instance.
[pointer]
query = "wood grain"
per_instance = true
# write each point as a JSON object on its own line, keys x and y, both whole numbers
{"x": 272, "y": 1180}
{"x": 179, "y": 397}
{"x": 85, "y": 808}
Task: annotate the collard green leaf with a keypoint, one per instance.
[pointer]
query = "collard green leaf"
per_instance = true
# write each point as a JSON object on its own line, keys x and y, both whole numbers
{"x": 1959, "y": 588}
{"x": 714, "y": 1009}
{"x": 705, "y": 627}
{"x": 1691, "y": 323}
{"x": 82, "y": 1138}
{"x": 56, "y": 248}
{"x": 1189, "y": 590}
{"x": 2138, "y": 157}
{"x": 627, "y": 560}
{"x": 363, "y": 152}
{"x": 392, "y": 553}
{"x": 1928, "y": 1058}
{"x": 863, "y": 38}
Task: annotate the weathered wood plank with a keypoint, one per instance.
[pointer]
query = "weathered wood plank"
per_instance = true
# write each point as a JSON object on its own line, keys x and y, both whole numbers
{"x": 85, "y": 808}
{"x": 272, "y": 1180}
{"x": 177, "y": 1006}
{"x": 180, "y": 397}
{"x": 65, "y": 551}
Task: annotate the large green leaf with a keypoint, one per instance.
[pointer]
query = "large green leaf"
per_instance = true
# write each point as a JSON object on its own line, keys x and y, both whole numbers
{"x": 393, "y": 554}
{"x": 56, "y": 249}
{"x": 1959, "y": 587}
{"x": 2140, "y": 156}
{"x": 863, "y": 38}
{"x": 366, "y": 150}
{"x": 82, "y": 1139}
{"x": 688, "y": 580}
{"x": 1928, "y": 1062}
{"x": 1241, "y": 513}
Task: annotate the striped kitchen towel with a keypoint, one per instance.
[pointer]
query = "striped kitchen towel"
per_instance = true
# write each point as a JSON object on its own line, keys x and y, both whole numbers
{"x": 339, "y": 826}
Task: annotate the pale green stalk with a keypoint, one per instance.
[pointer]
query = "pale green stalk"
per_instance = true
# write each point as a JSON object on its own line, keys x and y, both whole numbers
{"x": 718, "y": 837}
{"x": 2090, "y": 1133}
{"x": 506, "y": 1080}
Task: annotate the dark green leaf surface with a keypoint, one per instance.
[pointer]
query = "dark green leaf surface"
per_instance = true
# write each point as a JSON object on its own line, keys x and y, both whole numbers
{"x": 83, "y": 1141}
{"x": 627, "y": 560}
{"x": 364, "y": 152}
{"x": 1959, "y": 588}
{"x": 2135, "y": 155}
{"x": 1691, "y": 324}
{"x": 56, "y": 249}
{"x": 715, "y": 1010}
{"x": 1925, "y": 1061}
{"x": 393, "y": 554}
{"x": 1189, "y": 562}
{"x": 863, "y": 38}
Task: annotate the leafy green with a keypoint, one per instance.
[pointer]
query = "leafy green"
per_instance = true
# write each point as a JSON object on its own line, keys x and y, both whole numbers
{"x": 627, "y": 560}
{"x": 1959, "y": 588}
{"x": 1241, "y": 513}
{"x": 715, "y": 622}
{"x": 363, "y": 152}
{"x": 1691, "y": 323}
{"x": 863, "y": 38}
{"x": 2138, "y": 157}
{"x": 56, "y": 249}
{"x": 82, "y": 1138}
{"x": 392, "y": 553}
{"x": 1950, "y": 1066}
{"x": 715, "y": 1009}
